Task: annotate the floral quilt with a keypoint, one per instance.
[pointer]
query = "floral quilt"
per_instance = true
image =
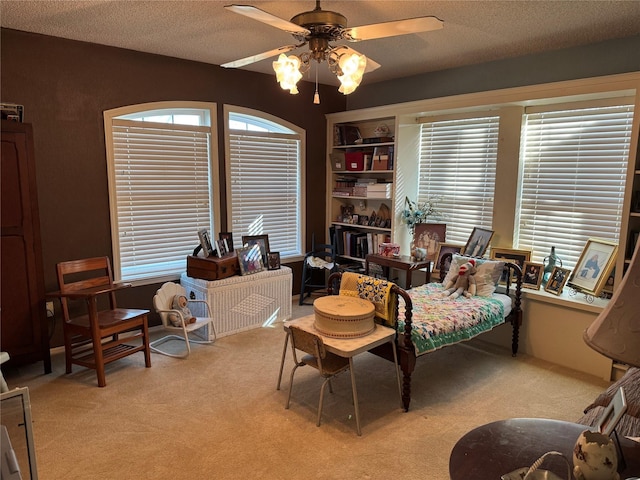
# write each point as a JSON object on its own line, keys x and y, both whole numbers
{"x": 440, "y": 321}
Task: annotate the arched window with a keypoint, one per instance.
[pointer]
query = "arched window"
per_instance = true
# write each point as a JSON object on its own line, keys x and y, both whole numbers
{"x": 163, "y": 168}
{"x": 265, "y": 179}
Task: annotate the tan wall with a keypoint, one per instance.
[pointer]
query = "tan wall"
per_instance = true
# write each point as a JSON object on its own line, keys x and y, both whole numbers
{"x": 554, "y": 333}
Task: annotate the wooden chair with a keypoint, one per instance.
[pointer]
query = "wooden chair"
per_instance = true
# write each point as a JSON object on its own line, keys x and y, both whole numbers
{"x": 93, "y": 338}
{"x": 162, "y": 302}
{"x": 328, "y": 364}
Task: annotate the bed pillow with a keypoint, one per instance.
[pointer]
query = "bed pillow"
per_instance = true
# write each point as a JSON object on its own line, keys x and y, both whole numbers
{"x": 487, "y": 275}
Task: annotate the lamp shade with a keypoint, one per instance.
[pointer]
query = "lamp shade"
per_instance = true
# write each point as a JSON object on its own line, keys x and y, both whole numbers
{"x": 288, "y": 72}
{"x": 352, "y": 66}
{"x": 616, "y": 331}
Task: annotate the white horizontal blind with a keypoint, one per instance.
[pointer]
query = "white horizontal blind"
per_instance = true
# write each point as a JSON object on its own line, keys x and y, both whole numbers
{"x": 265, "y": 188}
{"x": 575, "y": 166}
{"x": 458, "y": 166}
{"x": 163, "y": 196}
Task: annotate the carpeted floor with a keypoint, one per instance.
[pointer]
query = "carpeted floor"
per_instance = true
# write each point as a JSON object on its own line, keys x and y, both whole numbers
{"x": 217, "y": 414}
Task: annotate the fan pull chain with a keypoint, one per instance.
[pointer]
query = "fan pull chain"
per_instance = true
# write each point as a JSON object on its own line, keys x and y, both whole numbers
{"x": 316, "y": 96}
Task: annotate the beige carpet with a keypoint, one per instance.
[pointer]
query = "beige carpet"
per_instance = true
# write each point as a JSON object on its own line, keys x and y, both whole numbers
{"x": 217, "y": 415}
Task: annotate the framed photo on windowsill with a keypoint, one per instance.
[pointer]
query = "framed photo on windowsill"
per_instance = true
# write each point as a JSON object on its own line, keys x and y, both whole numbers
{"x": 519, "y": 257}
{"x": 558, "y": 278}
{"x": 594, "y": 266}
{"x": 532, "y": 274}
{"x": 478, "y": 242}
{"x": 444, "y": 248}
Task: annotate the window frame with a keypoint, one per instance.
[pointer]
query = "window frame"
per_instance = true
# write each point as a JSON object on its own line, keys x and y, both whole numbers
{"x": 300, "y": 133}
{"x": 213, "y": 180}
{"x": 490, "y": 119}
{"x": 600, "y": 227}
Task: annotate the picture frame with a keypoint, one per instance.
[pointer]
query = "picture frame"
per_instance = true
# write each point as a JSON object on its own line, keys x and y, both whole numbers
{"x": 273, "y": 260}
{"x": 221, "y": 248}
{"x": 613, "y": 413}
{"x": 261, "y": 240}
{"x": 519, "y": 257}
{"x": 427, "y": 238}
{"x": 444, "y": 248}
{"x": 478, "y": 242}
{"x": 532, "y": 274}
{"x": 250, "y": 259}
{"x": 228, "y": 236}
{"x": 594, "y": 266}
{"x": 558, "y": 278}
{"x": 205, "y": 242}
{"x": 609, "y": 284}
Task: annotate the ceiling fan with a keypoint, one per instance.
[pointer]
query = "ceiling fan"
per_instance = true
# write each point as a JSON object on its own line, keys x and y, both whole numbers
{"x": 320, "y": 29}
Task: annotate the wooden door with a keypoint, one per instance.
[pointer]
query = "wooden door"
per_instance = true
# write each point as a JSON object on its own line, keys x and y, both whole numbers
{"x": 24, "y": 332}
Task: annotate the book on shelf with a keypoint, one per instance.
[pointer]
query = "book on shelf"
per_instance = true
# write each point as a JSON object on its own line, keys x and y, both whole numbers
{"x": 357, "y": 243}
{"x": 379, "y": 190}
{"x": 369, "y": 140}
{"x": 347, "y": 135}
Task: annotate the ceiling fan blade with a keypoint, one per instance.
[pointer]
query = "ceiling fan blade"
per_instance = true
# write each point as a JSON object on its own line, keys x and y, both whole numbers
{"x": 265, "y": 17}
{"x": 371, "y": 64}
{"x": 390, "y": 29}
{"x": 256, "y": 58}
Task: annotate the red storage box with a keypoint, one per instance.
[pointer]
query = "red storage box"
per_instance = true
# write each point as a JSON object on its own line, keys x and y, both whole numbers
{"x": 354, "y": 161}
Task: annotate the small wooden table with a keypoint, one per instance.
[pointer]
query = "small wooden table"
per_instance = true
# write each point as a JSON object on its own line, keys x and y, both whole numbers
{"x": 349, "y": 348}
{"x": 403, "y": 262}
{"x": 497, "y": 448}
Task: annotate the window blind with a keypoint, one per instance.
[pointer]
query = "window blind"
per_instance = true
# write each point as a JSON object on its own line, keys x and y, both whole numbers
{"x": 575, "y": 166}
{"x": 162, "y": 195}
{"x": 265, "y": 188}
{"x": 458, "y": 167}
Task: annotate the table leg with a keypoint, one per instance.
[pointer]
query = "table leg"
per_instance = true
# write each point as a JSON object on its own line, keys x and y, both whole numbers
{"x": 408, "y": 280}
{"x": 397, "y": 367}
{"x": 284, "y": 354}
{"x": 355, "y": 395}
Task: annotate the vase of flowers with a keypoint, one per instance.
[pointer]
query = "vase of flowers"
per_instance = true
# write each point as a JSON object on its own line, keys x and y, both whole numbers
{"x": 419, "y": 212}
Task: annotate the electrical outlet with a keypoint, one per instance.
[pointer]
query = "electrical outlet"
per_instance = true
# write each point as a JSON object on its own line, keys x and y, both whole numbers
{"x": 50, "y": 311}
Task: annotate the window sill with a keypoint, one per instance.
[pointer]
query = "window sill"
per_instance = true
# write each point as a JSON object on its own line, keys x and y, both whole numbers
{"x": 577, "y": 301}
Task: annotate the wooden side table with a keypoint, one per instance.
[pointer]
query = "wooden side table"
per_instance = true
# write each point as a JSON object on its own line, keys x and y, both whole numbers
{"x": 497, "y": 448}
{"x": 403, "y": 262}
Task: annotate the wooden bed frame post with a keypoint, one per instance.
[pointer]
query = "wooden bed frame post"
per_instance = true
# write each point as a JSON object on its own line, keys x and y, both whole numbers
{"x": 407, "y": 352}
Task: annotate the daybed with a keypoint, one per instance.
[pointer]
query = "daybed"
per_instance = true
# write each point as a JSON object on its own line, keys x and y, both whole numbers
{"x": 426, "y": 321}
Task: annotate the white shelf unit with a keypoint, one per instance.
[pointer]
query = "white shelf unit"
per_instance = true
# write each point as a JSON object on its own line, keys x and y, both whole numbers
{"x": 369, "y": 154}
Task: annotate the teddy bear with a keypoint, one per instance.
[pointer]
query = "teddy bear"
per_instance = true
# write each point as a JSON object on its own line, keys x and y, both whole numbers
{"x": 180, "y": 304}
{"x": 464, "y": 283}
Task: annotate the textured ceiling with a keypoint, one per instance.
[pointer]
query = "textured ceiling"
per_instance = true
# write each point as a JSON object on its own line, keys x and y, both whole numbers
{"x": 474, "y": 31}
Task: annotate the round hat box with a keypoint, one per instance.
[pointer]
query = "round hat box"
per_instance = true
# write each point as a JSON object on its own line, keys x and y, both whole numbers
{"x": 339, "y": 316}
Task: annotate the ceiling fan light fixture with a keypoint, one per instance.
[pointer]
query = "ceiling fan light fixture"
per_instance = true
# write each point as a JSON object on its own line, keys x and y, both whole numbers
{"x": 320, "y": 30}
{"x": 288, "y": 72}
{"x": 352, "y": 67}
